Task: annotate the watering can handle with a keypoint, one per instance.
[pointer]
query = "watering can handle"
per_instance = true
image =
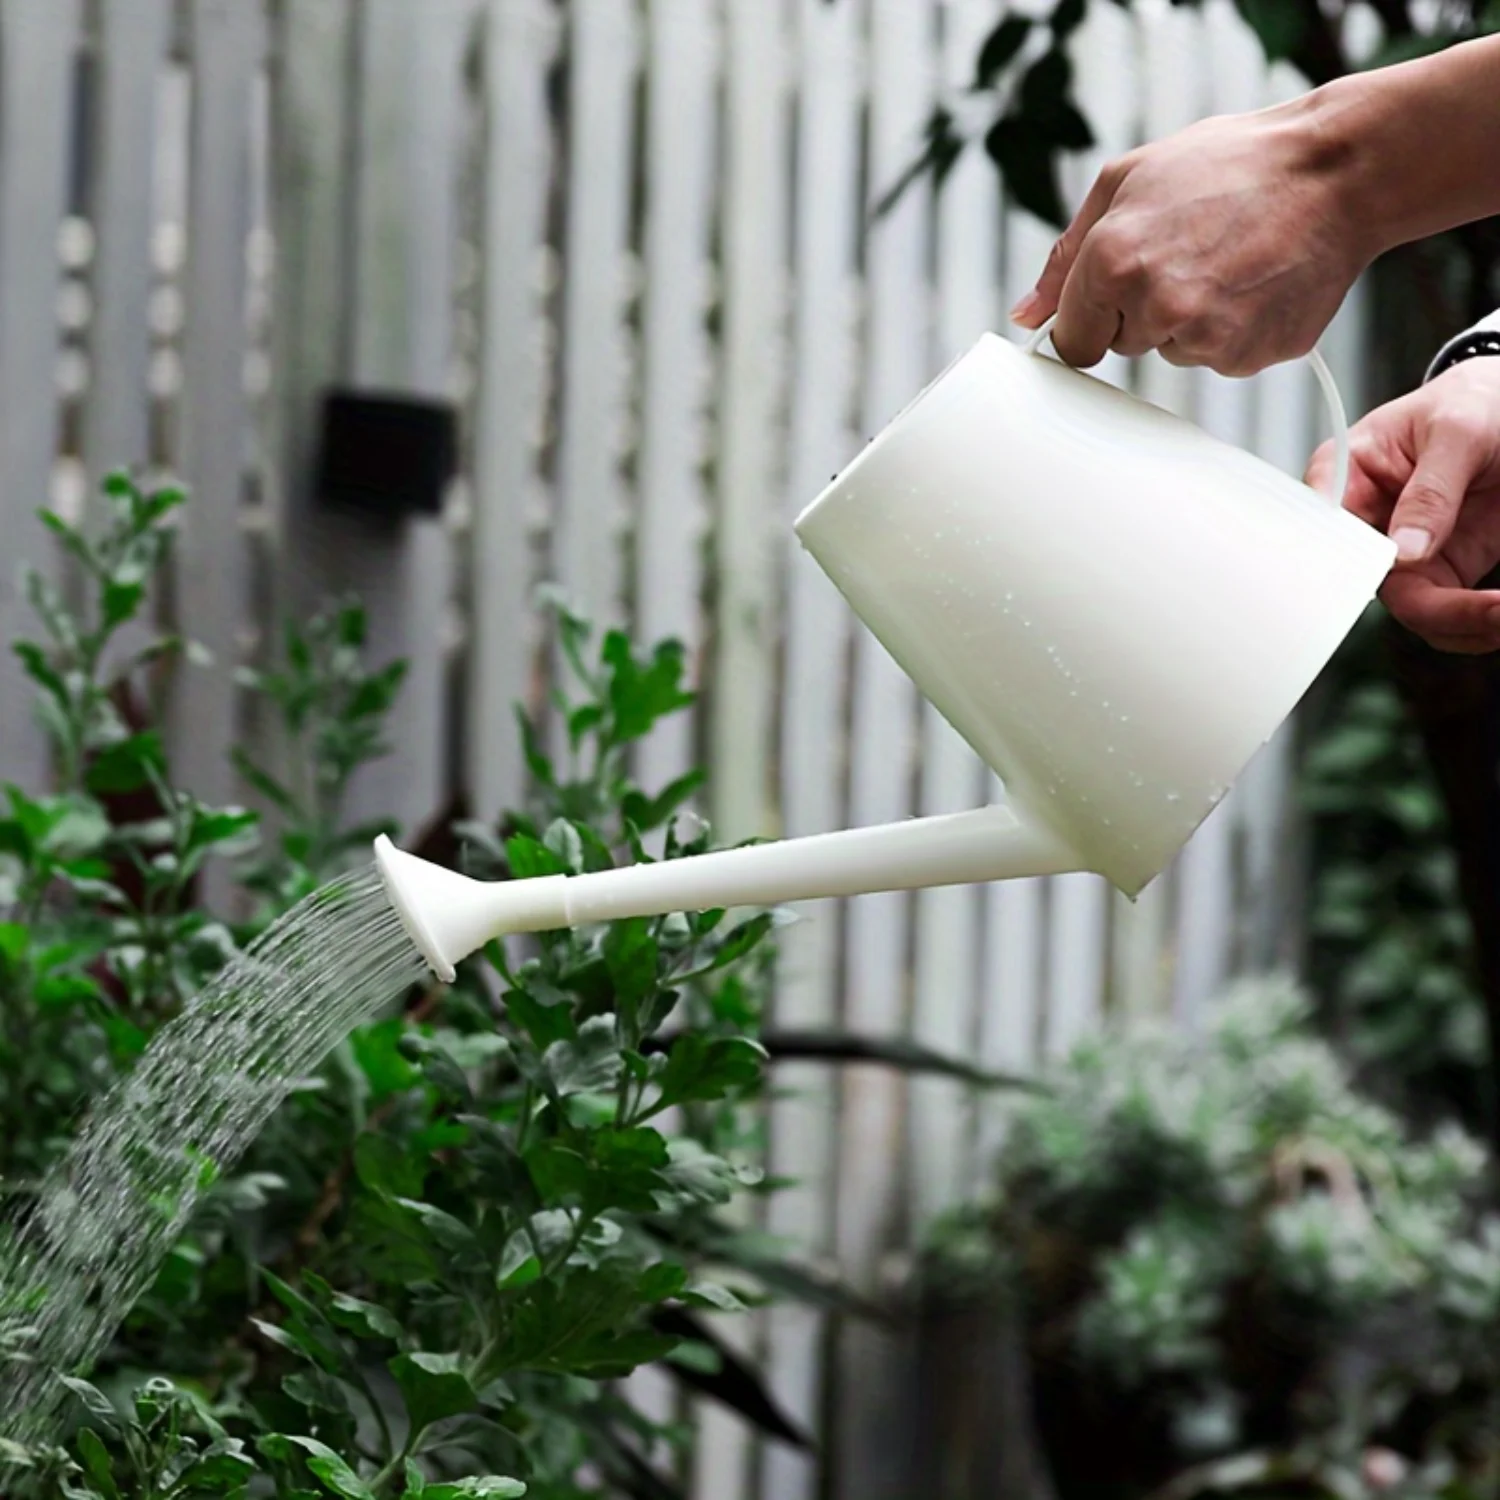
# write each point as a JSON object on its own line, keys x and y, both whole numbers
{"x": 1331, "y": 398}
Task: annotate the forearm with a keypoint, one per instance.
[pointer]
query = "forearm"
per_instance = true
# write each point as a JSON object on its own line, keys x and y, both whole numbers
{"x": 1415, "y": 148}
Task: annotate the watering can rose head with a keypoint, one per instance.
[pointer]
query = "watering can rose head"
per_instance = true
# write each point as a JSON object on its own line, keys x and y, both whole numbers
{"x": 1113, "y": 608}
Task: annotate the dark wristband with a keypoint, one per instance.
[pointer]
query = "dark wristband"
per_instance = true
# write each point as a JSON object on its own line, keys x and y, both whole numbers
{"x": 1472, "y": 346}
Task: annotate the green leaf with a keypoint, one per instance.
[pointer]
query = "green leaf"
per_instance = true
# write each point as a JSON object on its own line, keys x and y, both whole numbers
{"x": 94, "y": 1401}
{"x": 1281, "y": 26}
{"x": 545, "y": 1021}
{"x": 228, "y": 825}
{"x": 1045, "y": 108}
{"x": 519, "y": 1264}
{"x": 700, "y": 1068}
{"x": 223, "y": 1470}
{"x": 529, "y": 859}
{"x": 42, "y": 672}
{"x": 316, "y": 1390}
{"x": 562, "y": 841}
{"x": 368, "y": 1319}
{"x": 322, "y": 1461}
{"x": 14, "y": 941}
{"x": 711, "y": 1294}
{"x": 128, "y": 764}
{"x": 97, "y": 1463}
{"x": 377, "y": 1050}
{"x": 1027, "y": 163}
{"x": 537, "y": 763}
{"x": 490, "y": 1487}
{"x": 630, "y": 952}
{"x": 58, "y": 991}
{"x": 1067, "y": 17}
{"x": 434, "y": 1387}
{"x": 639, "y": 697}
{"x": 662, "y": 1281}
{"x": 696, "y": 1177}
{"x": 383, "y": 1166}
{"x": 648, "y": 813}
{"x": 741, "y": 941}
{"x": 450, "y": 1233}
{"x": 119, "y": 602}
{"x": 1000, "y": 48}
{"x": 72, "y": 827}
{"x": 588, "y": 1065}
{"x": 266, "y": 784}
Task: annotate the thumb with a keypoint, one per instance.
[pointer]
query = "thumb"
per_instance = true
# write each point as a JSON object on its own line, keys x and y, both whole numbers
{"x": 1042, "y": 301}
{"x": 1454, "y": 455}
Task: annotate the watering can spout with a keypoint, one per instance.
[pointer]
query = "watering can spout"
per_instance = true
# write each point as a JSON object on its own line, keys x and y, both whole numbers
{"x": 450, "y": 916}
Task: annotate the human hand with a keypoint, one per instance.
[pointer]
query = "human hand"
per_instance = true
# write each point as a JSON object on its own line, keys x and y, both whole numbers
{"x": 1426, "y": 469}
{"x": 1230, "y": 244}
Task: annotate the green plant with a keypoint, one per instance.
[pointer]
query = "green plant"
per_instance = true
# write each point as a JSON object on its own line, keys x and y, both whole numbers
{"x": 1389, "y": 951}
{"x": 491, "y": 1202}
{"x": 1220, "y": 1253}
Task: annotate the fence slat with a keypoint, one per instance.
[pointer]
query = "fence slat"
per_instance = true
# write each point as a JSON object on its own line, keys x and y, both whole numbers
{"x": 1285, "y": 435}
{"x": 740, "y": 710}
{"x": 1234, "y": 76}
{"x": 681, "y": 131}
{"x": 227, "y": 44}
{"x": 310, "y": 148}
{"x": 1172, "y": 97}
{"x": 1013, "y": 985}
{"x": 38, "y": 40}
{"x": 946, "y": 966}
{"x": 591, "y": 507}
{"x": 310, "y": 129}
{"x": 1010, "y": 1016}
{"x": 132, "y": 47}
{"x": 406, "y": 136}
{"x": 882, "y": 744}
{"x": 521, "y": 40}
{"x": 804, "y": 1121}
{"x": 1103, "y": 51}
{"x": 755, "y": 210}
{"x": 1166, "y": 60}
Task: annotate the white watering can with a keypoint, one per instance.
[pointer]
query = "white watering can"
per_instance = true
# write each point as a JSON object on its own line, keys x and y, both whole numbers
{"x": 1113, "y": 608}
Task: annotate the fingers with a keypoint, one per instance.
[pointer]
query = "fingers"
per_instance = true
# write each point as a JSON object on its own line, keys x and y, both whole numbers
{"x": 1087, "y": 323}
{"x": 1458, "y": 448}
{"x": 1364, "y": 494}
{"x": 1448, "y": 617}
{"x": 1046, "y": 297}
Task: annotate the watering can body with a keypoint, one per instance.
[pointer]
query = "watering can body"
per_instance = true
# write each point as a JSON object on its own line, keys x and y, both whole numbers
{"x": 1113, "y": 608}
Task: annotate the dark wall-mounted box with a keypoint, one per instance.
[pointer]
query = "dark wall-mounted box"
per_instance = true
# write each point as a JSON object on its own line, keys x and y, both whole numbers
{"x": 387, "y": 457}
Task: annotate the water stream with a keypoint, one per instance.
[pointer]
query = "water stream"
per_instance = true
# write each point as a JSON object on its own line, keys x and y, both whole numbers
{"x": 111, "y": 1209}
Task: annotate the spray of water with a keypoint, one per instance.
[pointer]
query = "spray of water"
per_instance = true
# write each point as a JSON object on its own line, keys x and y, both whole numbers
{"x": 109, "y": 1212}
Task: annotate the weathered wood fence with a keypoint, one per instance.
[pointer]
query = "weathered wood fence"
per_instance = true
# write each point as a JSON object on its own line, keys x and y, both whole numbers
{"x": 633, "y": 240}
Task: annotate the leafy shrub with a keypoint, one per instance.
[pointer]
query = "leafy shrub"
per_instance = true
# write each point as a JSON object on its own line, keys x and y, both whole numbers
{"x": 1219, "y": 1249}
{"x": 1390, "y": 952}
{"x": 448, "y": 1245}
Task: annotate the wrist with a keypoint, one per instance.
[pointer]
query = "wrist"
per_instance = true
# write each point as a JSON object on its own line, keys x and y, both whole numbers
{"x": 1407, "y": 151}
{"x": 1340, "y": 132}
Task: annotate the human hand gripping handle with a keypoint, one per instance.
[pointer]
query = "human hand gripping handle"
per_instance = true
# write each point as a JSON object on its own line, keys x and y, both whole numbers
{"x": 1232, "y": 243}
{"x": 1332, "y": 475}
{"x": 1426, "y": 469}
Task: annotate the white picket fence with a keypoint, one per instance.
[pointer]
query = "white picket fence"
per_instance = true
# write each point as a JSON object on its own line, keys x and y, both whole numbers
{"x": 633, "y": 238}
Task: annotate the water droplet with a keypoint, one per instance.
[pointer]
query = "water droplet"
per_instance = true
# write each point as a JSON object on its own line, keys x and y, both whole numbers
{"x": 1174, "y": 796}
